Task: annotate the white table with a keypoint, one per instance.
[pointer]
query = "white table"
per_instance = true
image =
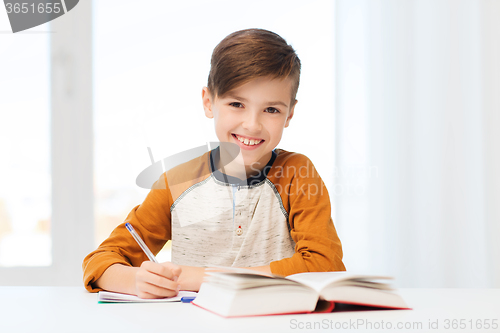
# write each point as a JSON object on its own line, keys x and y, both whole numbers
{"x": 72, "y": 309}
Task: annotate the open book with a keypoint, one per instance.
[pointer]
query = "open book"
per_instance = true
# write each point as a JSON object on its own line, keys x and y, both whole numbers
{"x": 240, "y": 292}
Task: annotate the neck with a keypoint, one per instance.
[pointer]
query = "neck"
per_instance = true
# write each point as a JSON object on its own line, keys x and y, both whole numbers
{"x": 236, "y": 169}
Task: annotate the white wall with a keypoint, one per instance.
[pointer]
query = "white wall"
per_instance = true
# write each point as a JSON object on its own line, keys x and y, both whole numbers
{"x": 417, "y": 90}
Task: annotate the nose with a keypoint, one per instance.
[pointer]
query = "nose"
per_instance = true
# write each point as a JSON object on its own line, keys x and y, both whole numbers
{"x": 252, "y": 122}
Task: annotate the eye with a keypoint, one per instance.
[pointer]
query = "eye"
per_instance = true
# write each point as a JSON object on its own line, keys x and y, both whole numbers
{"x": 236, "y": 104}
{"x": 272, "y": 110}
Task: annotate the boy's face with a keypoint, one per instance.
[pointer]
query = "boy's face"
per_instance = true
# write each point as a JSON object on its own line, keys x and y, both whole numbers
{"x": 252, "y": 116}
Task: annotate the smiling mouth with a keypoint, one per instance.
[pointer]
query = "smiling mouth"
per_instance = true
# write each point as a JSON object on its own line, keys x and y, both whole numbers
{"x": 247, "y": 141}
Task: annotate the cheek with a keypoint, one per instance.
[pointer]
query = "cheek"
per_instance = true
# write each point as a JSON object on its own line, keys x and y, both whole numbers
{"x": 222, "y": 126}
{"x": 277, "y": 131}
{"x": 226, "y": 120}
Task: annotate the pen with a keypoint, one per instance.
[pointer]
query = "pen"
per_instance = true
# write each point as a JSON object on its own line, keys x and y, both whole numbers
{"x": 187, "y": 299}
{"x": 141, "y": 243}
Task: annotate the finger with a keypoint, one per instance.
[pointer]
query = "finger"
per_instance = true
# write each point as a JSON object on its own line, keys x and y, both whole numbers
{"x": 164, "y": 269}
{"x": 150, "y": 285}
{"x": 161, "y": 281}
{"x": 152, "y": 293}
{"x": 176, "y": 270}
{"x": 159, "y": 291}
{"x": 143, "y": 294}
{"x": 145, "y": 276}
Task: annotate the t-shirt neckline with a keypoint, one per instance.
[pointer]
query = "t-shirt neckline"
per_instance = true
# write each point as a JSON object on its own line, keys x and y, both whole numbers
{"x": 253, "y": 180}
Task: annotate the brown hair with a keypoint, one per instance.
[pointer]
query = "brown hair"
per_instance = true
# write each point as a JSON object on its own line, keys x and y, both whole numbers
{"x": 249, "y": 54}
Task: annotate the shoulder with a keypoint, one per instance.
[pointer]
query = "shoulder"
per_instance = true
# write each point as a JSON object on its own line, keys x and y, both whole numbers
{"x": 291, "y": 165}
{"x": 284, "y": 157}
{"x": 192, "y": 168}
{"x": 184, "y": 175}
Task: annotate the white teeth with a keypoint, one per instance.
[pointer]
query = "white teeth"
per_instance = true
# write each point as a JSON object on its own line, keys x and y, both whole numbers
{"x": 248, "y": 142}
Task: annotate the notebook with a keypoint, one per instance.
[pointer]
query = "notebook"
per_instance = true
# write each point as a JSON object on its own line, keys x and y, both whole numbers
{"x": 111, "y": 297}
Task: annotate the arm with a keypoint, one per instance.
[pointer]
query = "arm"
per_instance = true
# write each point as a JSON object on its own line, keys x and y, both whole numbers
{"x": 191, "y": 277}
{"x": 317, "y": 245}
{"x": 151, "y": 220}
{"x": 264, "y": 269}
{"x": 151, "y": 280}
{"x": 118, "y": 278}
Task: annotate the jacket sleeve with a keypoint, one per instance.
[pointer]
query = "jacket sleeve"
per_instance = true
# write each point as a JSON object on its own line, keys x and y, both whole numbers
{"x": 151, "y": 220}
{"x": 305, "y": 197}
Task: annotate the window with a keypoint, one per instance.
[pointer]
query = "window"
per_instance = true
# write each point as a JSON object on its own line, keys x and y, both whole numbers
{"x": 25, "y": 190}
{"x": 46, "y": 185}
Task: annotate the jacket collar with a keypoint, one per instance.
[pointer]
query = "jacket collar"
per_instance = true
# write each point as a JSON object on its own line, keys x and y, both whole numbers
{"x": 253, "y": 180}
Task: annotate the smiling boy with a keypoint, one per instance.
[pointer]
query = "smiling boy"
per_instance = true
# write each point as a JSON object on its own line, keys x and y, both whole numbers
{"x": 253, "y": 116}
{"x": 265, "y": 208}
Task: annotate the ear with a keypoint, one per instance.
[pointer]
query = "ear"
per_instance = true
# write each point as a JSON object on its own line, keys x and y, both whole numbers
{"x": 290, "y": 114}
{"x": 206, "y": 98}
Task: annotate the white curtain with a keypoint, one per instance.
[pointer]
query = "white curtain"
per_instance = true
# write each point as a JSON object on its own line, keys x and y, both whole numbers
{"x": 417, "y": 191}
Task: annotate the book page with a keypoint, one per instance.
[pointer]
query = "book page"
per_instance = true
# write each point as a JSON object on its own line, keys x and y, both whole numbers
{"x": 320, "y": 280}
{"x": 246, "y": 280}
{"x": 223, "y": 269}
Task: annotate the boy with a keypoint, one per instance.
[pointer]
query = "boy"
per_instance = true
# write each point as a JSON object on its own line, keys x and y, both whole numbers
{"x": 262, "y": 207}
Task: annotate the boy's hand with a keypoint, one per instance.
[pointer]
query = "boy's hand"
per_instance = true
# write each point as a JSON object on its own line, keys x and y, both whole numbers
{"x": 191, "y": 277}
{"x": 154, "y": 280}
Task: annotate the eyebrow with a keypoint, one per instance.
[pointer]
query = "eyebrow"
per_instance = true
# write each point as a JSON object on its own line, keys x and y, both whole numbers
{"x": 267, "y": 103}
